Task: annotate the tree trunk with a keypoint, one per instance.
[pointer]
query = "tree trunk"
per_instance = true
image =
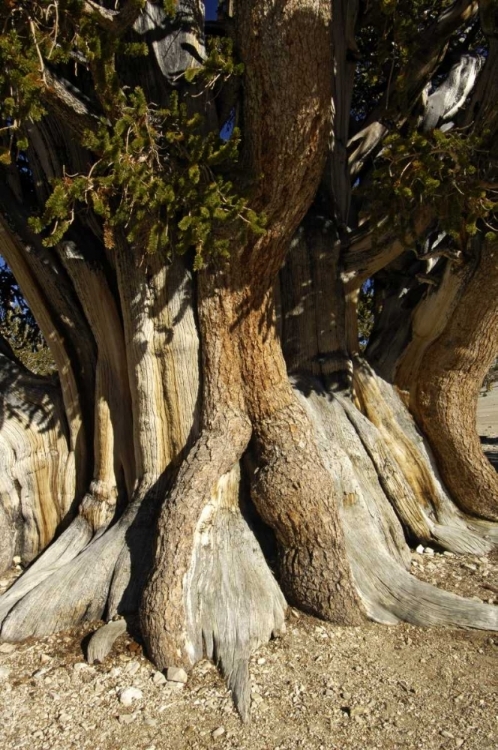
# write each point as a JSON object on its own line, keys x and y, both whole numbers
{"x": 36, "y": 466}
{"x": 222, "y": 423}
{"x": 437, "y": 347}
{"x": 451, "y": 373}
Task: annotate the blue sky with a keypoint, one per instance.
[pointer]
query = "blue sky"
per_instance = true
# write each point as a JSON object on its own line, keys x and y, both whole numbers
{"x": 211, "y": 6}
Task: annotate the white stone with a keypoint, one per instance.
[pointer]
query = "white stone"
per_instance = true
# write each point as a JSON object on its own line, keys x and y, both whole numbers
{"x": 4, "y": 673}
{"x": 128, "y": 695}
{"x": 126, "y": 718}
{"x": 158, "y": 678}
{"x": 133, "y": 667}
{"x": 176, "y": 674}
{"x": 420, "y": 549}
{"x": 7, "y": 648}
{"x": 81, "y": 666}
{"x": 218, "y": 733}
{"x": 429, "y": 551}
{"x": 16, "y": 560}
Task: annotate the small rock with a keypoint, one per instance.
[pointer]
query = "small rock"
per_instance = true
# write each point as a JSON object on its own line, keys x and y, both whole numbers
{"x": 218, "y": 733}
{"x": 45, "y": 658}
{"x": 428, "y": 551}
{"x": 261, "y": 661}
{"x": 280, "y": 632}
{"x": 128, "y": 695}
{"x": 115, "y": 672}
{"x": 176, "y": 674}
{"x": 447, "y": 553}
{"x": 358, "y": 710}
{"x": 16, "y": 560}
{"x": 158, "y": 678}
{"x": 133, "y": 667}
{"x": 4, "y": 673}
{"x": 150, "y": 722}
{"x": 420, "y": 549}
{"x": 126, "y": 718}
{"x": 445, "y": 733}
{"x": 459, "y": 742}
{"x": 7, "y": 648}
{"x": 81, "y": 666}
{"x": 469, "y": 566}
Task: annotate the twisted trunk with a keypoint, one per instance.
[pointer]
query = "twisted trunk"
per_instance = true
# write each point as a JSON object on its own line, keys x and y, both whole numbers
{"x": 243, "y": 454}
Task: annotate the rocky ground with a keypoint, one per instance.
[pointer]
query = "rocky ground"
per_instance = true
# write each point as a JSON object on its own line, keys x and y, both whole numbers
{"x": 319, "y": 688}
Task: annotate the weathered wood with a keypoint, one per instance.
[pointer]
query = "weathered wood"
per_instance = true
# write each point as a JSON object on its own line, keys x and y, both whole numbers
{"x": 102, "y": 641}
{"x": 374, "y": 537}
{"x": 36, "y": 465}
{"x": 233, "y": 602}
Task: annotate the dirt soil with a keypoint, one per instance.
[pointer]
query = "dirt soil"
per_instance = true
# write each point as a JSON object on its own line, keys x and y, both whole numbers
{"x": 320, "y": 687}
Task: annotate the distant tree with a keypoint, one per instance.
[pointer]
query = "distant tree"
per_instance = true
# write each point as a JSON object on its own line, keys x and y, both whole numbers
{"x": 227, "y": 443}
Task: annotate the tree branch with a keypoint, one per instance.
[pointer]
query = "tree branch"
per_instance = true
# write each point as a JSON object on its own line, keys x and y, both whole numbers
{"x": 116, "y": 22}
{"x": 372, "y": 250}
{"x": 425, "y": 60}
{"x": 66, "y": 105}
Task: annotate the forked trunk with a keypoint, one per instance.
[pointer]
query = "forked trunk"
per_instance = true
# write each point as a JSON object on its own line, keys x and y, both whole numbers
{"x": 232, "y": 414}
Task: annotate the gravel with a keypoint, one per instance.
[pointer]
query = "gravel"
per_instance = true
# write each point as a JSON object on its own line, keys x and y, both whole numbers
{"x": 320, "y": 687}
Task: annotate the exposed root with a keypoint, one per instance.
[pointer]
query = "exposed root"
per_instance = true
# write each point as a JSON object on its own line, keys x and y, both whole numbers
{"x": 377, "y": 553}
{"x": 407, "y": 468}
{"x": 295, "y": 495}
{"x": 232, "y": 600}
{"x": 75, "y": 592}
{"x": 211, "y": 593}
{"x": 163, "y": 612}
{"x": 79, "y": 577}
{"x": 102, "y": 641}
{"x": 390, "y": 593}
{"x": 70, "y": 543}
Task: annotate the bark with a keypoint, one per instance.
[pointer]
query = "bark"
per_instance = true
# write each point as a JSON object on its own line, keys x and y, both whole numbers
{"x": 450, "y": 376}
{"x": 384, "y": 474}
{"x": 437, "y": 346}
{"x": 246, "y": 392}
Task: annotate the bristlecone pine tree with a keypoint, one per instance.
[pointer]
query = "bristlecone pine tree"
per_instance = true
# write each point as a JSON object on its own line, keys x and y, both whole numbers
{"x": 218, "y": 444}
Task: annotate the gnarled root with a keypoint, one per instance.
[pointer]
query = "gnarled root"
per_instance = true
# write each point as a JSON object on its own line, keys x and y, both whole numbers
{"x": 376, "y": 548}
{"x": 211, "y": 593}
{"x": 233, "y": 602}
{"x": 295, "y": 495}
{"x": 82, "y": 576}
{"x": 407, "y": 469}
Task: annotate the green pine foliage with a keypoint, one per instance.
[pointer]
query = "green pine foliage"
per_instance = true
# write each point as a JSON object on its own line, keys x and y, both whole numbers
{"x": 158, "y": 173}
{"x": 157, "y": 176}
{"x": 443, "y": 170}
